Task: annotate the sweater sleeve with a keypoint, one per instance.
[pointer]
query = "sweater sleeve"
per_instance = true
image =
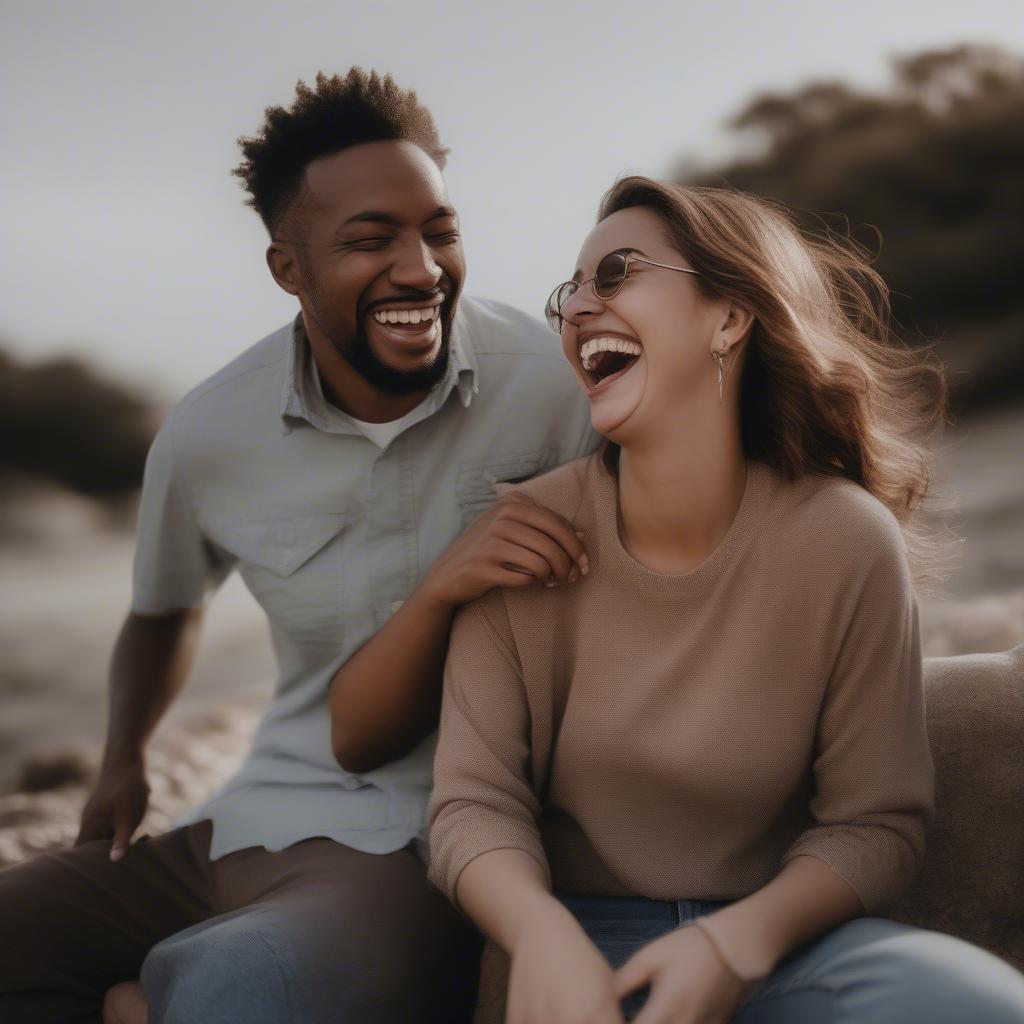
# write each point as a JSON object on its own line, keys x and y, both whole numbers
{"x": 873, "y": 774}
{"x": 482, "y": 798}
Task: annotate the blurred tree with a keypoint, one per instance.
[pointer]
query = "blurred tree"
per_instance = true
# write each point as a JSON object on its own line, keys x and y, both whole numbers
{"x": 59, "y": 420}
{"x": 935, "y": 165}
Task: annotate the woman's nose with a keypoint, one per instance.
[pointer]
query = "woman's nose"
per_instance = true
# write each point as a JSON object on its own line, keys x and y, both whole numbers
{"x": 582, "y": 303}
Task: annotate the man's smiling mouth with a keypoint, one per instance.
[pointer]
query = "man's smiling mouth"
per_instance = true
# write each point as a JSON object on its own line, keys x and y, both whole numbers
{"x": 409, "y": 324}
{"x": 405, "y": 314}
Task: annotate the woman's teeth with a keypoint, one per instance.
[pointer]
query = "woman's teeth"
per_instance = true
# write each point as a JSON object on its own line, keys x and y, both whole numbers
{"x": 592, "y": 346}
{"x": 404, "y": 316}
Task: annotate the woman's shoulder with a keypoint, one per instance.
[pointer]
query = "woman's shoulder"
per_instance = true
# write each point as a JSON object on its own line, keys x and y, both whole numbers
{"x": 561, "y": 489}
{"x": 839, "y": 518}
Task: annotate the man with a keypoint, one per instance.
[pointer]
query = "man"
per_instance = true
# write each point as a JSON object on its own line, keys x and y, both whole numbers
{"x": 333, "y": 464}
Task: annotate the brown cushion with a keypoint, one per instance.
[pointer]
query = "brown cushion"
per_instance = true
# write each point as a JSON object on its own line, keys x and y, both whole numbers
{"x": 971, "y": 882}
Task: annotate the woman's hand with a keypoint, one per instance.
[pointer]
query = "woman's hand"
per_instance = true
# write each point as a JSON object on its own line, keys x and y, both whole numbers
{"x": 690, "y": 984}
{"x": 558, "y": 976}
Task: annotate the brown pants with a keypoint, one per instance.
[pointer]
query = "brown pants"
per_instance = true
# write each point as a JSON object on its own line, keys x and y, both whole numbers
{"x": 316, "y": 932}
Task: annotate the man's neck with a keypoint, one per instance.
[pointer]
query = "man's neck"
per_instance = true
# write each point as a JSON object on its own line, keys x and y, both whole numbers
{"x": 352, "y": 393}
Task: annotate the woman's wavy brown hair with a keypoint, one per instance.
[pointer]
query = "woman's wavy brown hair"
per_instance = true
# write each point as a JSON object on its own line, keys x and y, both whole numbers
{"x": 826, "y": 387}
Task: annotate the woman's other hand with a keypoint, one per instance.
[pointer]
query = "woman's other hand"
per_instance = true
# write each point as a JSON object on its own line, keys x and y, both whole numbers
{"x": 558, "y": 976}
{"x": 690, "y": 983}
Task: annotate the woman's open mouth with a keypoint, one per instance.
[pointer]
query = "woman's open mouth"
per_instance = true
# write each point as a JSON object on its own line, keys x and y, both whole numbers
{"x": 606, "y": 357}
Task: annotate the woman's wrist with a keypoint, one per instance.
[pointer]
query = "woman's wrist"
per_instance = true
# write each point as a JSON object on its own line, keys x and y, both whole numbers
{"x": 743, "y": 973}
{"x": 746, "y": 959}
{"x": 534, "y": 916}
{"x": 505, "y": 892}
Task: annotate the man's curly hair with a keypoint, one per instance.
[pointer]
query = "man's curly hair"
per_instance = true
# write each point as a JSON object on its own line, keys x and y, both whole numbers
{"x": 338, "y": 113}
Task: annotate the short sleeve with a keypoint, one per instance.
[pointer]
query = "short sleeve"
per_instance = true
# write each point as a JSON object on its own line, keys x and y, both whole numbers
{"x": 174, "y": 564}
{"x": 873, "y": 772}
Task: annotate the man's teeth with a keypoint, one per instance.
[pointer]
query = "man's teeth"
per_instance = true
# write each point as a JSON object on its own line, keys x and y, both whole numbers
{"x": 592, "y": 346}
{"x": 404, "y": 316}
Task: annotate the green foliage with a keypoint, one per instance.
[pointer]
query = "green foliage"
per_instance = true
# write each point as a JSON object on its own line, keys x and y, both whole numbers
{"x": 933, "y": 166}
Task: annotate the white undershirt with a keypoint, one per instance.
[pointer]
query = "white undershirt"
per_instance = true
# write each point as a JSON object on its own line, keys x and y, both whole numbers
{"x": 382, "y": 434}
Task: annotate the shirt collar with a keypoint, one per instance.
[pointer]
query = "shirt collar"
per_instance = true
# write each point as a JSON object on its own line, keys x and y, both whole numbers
{"x": 462, "y": 359}
{"x": 302, "y": 395}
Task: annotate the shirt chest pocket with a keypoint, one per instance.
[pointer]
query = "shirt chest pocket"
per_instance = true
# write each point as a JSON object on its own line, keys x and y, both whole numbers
{"x": 294, "y": 569}
{"x": 474, "y": 485}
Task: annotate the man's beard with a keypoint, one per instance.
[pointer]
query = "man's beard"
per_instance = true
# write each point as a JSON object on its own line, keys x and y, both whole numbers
{"x": 360, "y": 356}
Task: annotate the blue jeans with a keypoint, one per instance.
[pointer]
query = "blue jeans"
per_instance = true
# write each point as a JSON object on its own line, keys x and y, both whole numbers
{"x": 292, "y": 963}
{"x": 867, "y": 971}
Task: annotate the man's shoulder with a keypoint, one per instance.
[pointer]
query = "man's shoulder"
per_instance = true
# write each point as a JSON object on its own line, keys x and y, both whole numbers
{"x": 562, "y": 489}
{"x": 496, "y": 328}
{"x": 248, "y": 382}
{"x": 529, "y": 396}
{"x": 261, "y": 360}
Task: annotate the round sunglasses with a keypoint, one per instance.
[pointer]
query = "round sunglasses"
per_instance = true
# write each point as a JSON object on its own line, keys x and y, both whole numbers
{"x": 611, "y": 274}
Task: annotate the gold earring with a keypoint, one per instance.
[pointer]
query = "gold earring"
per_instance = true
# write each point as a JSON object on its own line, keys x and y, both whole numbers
{"x": 720, "y": 361}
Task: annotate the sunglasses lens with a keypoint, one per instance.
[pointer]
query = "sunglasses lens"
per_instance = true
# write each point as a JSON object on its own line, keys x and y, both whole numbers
{"x": 611, "y": 272}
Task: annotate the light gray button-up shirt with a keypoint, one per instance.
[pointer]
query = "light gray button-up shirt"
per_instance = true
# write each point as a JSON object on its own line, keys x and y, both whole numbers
{"x": 255, "y": 470}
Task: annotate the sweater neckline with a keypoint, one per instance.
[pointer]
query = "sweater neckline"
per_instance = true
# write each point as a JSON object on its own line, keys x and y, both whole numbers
{"x": 756, "y": 492}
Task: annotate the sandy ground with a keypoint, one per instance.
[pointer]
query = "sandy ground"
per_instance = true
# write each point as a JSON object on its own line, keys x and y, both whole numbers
{"x": 64, "y": 587}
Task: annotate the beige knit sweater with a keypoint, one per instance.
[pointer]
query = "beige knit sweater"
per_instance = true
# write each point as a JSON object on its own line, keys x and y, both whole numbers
{"x": 684, "y": 736}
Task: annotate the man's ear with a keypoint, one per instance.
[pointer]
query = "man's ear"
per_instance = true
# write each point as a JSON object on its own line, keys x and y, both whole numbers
{"x": 284, "y": 266}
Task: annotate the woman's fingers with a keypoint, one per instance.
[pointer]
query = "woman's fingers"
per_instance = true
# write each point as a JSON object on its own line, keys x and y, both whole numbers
{"x": 636, "y": 972}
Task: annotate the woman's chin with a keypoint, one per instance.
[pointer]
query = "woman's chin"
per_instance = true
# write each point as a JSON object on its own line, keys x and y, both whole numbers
{"x": 609, "y": 424}
{"x": 611, "y": 409}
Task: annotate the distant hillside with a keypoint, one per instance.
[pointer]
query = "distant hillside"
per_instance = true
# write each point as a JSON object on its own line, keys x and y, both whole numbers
{"x": 935, "y": 165}
{"x": 60, "y": 421}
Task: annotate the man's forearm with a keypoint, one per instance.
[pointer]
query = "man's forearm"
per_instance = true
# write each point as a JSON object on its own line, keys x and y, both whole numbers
{"x": 387, "y": 696}
{"x": 152, "y": 660}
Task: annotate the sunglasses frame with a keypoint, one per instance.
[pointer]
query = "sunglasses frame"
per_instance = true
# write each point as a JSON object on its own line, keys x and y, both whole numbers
{"x": 551, "y": 311}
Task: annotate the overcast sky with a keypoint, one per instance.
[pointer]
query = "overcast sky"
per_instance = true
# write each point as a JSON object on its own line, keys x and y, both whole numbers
{"x": 126, "y": 239}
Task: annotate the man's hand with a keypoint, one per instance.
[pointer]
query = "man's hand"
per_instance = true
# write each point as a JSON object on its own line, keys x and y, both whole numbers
{"x": 513, "y": 544}
{"x": 387, "y": 696}
{"x": 116, "y": 807}
{"x": 152, "y": 659}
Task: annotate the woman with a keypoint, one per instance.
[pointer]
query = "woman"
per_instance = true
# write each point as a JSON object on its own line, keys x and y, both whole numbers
{"x": 722, "y": 724}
